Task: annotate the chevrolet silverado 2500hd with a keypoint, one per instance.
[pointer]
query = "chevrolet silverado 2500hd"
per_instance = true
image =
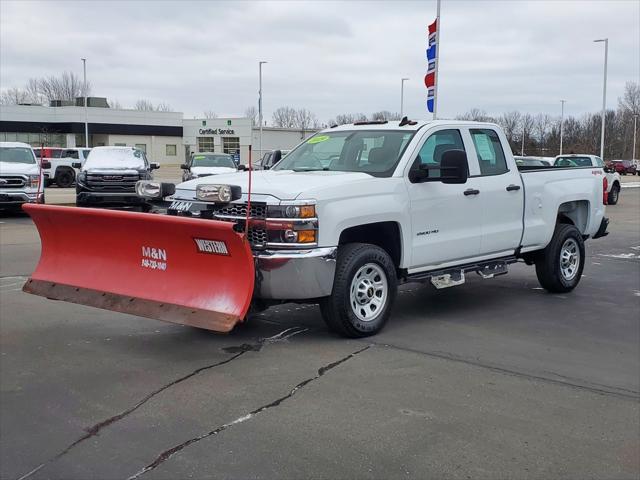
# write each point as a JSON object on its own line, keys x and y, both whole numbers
{"x": 342, "y": 220}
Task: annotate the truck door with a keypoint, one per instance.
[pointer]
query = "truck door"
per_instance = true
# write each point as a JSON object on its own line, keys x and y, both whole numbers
{"x": 502, "y": 194}
{"x": 446, "y": 220}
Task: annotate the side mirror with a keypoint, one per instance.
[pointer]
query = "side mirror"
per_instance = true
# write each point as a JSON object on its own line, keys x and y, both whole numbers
{"x": 454, "y": 166}
{"x": 73, "y": 164}
{"x": 46, "y": 164}
{"x": 154, "y": 165}
{"x": 184, "y": 166}
{"x": 242, "y": 167}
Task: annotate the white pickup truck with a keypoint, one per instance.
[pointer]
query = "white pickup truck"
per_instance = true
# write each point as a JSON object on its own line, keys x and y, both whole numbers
{"x": 21, "y": 180}
{"x": 357, "y": 209}
{"x": 61, "y": 160}
{"x": 344, "y": 218}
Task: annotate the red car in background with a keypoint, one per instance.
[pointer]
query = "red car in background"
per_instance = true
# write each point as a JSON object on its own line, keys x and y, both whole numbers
{"x": 624, "y": 167}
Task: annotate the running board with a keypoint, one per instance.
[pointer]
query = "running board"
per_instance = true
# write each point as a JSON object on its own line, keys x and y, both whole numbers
{"x": 454, "y": 276}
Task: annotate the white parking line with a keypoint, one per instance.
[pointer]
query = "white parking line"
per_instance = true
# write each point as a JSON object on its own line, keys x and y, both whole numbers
{"x": 631, "y": 185}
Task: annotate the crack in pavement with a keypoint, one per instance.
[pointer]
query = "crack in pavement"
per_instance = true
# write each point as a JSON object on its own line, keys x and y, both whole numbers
{"x": 238, "y": 351}
{"x": 607, "y": 390}
{"x": 164, "y": 456}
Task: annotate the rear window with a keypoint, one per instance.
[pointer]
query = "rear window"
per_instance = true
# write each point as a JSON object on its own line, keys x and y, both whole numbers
{"x": 573, "y": 162}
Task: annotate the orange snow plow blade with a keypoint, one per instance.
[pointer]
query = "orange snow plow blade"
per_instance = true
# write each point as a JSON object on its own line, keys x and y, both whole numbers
{"x": 183, "y": 270}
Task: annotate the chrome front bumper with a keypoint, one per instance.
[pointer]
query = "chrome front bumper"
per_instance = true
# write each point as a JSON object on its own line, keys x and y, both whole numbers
{"x": 11, "y": 198}
{"x": 295, "y": 274}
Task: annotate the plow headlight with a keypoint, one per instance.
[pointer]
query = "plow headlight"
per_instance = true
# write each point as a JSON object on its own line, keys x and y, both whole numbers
{"x": 218, "y": 193}
{"x": 147, "y": 189}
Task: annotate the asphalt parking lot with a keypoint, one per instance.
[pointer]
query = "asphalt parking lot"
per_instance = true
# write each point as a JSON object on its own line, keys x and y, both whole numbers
{"x": 494, "y": 379}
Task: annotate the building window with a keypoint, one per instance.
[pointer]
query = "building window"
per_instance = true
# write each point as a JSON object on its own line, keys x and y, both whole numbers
{"x": 120, "y": 144}
{"x": 231, "y": 145}
{"x": 171, "y": 150}
{"x": 142, "y": 146}
{"x": 205, "y": 144}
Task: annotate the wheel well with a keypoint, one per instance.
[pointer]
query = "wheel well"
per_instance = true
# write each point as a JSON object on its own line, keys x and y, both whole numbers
{"x": 385, "y": 235}
{"x": 574, "y": 213}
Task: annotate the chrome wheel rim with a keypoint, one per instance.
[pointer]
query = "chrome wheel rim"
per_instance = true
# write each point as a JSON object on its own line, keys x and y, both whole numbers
{"x": 569, "y": 259}
{"x": 368, "y": 293}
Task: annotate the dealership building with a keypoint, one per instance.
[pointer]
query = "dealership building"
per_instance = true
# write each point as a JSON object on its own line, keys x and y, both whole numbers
{"x": 166, "y": 137}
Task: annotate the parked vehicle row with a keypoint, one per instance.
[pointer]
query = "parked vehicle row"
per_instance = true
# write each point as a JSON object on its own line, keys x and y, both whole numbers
{"x": 342, "y": 220}
{"x": 580, "y": 160}
{"x": 624, "y": 167}
{"x": 207, "y": 163}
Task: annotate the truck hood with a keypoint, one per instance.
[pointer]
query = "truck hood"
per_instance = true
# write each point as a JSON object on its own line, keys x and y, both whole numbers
{"x": 212, "y": 170}
{"x": 12, "y": 168}
{"x": 112, "y": 171}
{"x": 281, "y": 184}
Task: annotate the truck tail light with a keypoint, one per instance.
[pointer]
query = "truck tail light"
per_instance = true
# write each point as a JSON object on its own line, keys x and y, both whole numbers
{"x": 605, "y": 195}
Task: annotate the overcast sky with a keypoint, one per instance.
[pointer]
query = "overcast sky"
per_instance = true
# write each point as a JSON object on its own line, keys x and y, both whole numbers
{"x": 330, "y": 57}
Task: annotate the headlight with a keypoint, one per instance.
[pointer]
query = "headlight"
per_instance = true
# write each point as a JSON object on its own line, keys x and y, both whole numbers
{"x": 292, "y": 211}
{"x": 147, "y": 189}
{"x": 34, "y": 181}
{"x": 218, "y": 193}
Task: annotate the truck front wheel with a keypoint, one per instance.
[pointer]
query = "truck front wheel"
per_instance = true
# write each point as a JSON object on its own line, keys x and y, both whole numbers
{"x": 64, "y": 177}
{"x": 559, "y": 266}
{"x": 364, "y": 289}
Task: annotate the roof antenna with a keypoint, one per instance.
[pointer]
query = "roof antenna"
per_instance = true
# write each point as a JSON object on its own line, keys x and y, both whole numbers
{"x": 406, "y": 121}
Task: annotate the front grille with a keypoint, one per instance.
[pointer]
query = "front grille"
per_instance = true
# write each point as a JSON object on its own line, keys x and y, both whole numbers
{"x": 112, "y": 182}
{"x": 258, "y": 210}
{"x": 257, "y": 236}
{"x": 12, "y": 181}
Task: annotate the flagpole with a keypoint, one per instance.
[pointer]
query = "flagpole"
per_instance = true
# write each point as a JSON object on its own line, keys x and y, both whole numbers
{"x": 435, "y": 90}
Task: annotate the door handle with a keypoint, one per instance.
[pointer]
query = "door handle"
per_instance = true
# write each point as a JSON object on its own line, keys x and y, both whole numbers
{"x": 471, "y": 191}
{"x": 512, "y": 188}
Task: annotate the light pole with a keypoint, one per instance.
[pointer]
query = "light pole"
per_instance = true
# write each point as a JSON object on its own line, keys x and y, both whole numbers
{"x": 635, "y": 120}
{"x": 604, "y": 93}
{"x": 402, "y": 80}
{"x": 562, "y": 102}
{"x": 84, "y": 94}
{"x": 260, "y": 105}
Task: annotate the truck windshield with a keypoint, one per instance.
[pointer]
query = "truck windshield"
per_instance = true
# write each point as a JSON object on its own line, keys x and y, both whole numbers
{"x": 573, "y": 162}
{"x": 213, "y": 160}
{"x": 375, "y": 152}
{"x": 115, "y": 158}
{"x": 16, "y": 155}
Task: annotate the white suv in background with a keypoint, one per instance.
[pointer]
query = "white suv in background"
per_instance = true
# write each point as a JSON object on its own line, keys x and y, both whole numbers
{"x": 21, "y": 180}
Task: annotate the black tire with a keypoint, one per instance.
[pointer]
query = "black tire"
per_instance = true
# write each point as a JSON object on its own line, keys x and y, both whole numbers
{"x": 64, "y": 178}
{"x": 614, "y": 194}
{"x": 549, "y": 263}
{"x": 337, "y": 309}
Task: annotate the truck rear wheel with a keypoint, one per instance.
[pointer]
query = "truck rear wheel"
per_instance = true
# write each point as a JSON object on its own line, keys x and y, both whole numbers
{"x": 65, "y": 177}
{"x": 559, "y": 266}
{"x": 364, "y": 289}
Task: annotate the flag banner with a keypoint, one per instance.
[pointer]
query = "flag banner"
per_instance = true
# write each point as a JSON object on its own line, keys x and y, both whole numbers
{"x": 431, "y": 52}
{"x": 430, "y": 79}
{"x": 432, "y": 64}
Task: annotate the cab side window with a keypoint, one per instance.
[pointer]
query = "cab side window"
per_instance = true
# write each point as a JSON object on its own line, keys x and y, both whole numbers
{"x": 489, "y": 150}
{"x": 434, "y": 148}
{"x": 599, "y": 162}
{"x": 71, "y": 154}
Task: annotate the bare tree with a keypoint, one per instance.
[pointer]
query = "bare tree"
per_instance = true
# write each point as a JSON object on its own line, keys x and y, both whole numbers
{"x": 306, "y": 119}
{"x": 164, "y": 107}
{"x": 510, "y": 122}
{"x": 284, "y": 117}
{"x": 144, "y": 105}
{"x": 541, "y": 126}
{"x": 13, "y": 96}
{"x": 115, "y": 104}
{"x": 384, "y": 115}
{"x": 630, "y": 100}
{"x": 67, "y": 86}
{"x": 475, "y": 115}
{"x": 252, "y": 114}
{"x": 210, "y": 114}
